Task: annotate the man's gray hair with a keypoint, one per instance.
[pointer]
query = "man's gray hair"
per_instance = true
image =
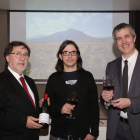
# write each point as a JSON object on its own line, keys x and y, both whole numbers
{"x": 122, "y": 26}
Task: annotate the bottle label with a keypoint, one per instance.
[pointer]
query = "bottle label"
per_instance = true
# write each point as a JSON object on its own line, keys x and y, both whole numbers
{"x": 44, "y": 118}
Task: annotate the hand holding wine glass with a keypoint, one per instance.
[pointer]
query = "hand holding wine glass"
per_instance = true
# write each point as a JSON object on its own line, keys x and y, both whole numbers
{"x": 73, "y": 100}
{"x": 108, "y": 84}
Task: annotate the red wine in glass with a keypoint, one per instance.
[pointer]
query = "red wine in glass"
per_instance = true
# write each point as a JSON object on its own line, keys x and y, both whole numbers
{"x": 109, "y": 87}
{"x": 73, "y": 100}
{"x": 108, "y": 83}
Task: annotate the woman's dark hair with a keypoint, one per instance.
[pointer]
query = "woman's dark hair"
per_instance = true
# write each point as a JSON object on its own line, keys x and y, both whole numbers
{"x": 59, "y": 65}
{"x": 9, "y": 47}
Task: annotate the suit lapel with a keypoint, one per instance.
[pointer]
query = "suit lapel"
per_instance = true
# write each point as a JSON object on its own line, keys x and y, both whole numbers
{"x": 119, "y": 76}
{"x": 119, "y": 71}
{"x": 16, "y": 85}
{"x": 135, "y": 75}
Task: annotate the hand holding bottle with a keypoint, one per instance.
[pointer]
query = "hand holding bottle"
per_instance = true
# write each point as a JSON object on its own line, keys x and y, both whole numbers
{"x": 44, "y": 118}
{"x": 42, "y": 101}
{"x": 31, "y": 124}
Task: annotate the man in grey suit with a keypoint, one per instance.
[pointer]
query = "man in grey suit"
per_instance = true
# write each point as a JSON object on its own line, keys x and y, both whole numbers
{"x": 124, "y": 102}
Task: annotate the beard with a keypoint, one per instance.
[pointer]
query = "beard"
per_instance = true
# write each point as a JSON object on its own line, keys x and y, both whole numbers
{"x": 21, "y": 70}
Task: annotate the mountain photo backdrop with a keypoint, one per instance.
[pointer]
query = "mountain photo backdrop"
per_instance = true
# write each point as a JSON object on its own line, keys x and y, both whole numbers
{"x": 45, "y": 32}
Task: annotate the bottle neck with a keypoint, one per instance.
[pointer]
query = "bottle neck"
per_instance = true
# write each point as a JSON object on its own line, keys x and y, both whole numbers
{"x": 45, "y": 96}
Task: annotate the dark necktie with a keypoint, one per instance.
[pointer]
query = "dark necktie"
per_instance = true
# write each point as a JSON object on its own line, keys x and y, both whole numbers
{"x": 125, "y": 81}
{"x": 25, "y": 88}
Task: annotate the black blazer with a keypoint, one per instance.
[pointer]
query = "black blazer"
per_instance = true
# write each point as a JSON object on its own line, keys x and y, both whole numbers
{"x": 15, "y": 106}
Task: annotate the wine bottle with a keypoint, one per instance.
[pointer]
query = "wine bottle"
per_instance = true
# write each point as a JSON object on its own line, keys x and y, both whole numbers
{"x": 44, "y": 118}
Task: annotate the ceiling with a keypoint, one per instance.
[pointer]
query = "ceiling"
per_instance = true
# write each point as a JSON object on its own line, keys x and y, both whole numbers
{"x": 71, "y": 5}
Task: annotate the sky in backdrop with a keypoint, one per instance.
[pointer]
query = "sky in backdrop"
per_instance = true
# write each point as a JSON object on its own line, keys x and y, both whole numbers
{"x": 47, "y": 23}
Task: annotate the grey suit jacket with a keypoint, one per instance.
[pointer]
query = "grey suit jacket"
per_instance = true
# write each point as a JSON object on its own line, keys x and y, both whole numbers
{"x": 114, "y": 68}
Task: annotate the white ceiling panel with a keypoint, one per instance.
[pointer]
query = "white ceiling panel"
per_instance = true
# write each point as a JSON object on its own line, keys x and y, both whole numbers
{"x": 75, "y": 5}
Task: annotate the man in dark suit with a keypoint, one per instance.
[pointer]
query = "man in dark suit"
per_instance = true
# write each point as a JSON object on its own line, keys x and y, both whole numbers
{"x": 124, "y": 110}
{"x": 19, "y": 101}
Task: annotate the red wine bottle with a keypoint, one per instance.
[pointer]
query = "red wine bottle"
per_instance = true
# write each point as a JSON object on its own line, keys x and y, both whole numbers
{"x": 44, "y": 118}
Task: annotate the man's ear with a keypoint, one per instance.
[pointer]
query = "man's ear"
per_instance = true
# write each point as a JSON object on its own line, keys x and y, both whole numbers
{"x": 116, "y": 43}
{"x": 134, "y": 38}
{"x": 7, "y": 58}
{"x": 60, "y": 56}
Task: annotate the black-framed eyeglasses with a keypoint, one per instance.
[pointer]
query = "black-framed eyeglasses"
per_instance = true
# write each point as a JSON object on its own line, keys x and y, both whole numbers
{"x": 66, "y": 53}
{"x": 19, "y": 55}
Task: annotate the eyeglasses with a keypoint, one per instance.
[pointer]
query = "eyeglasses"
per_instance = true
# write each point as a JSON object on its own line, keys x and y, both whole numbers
{"x": 19, "y": 55}
{"x": 66, "y": 53}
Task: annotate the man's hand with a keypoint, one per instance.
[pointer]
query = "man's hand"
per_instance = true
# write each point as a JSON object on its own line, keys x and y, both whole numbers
{"x": 66, "y": 109}
{"x": 121, "y": 103}
{"x": 89, "y": 137}
{"x": 107, "y": 95}
{"x": 42, "y": 101}
{"x": 31, "y": 124}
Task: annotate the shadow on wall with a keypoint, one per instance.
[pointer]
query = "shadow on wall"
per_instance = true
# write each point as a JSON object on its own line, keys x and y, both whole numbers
{"x": 115, "y": 50}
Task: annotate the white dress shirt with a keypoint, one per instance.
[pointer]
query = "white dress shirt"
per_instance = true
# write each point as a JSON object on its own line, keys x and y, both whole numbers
{"x": 131, "y": 64}
{"x": 17, "y": 76}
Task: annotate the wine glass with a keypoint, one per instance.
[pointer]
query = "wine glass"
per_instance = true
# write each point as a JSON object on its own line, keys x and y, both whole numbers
{"x": 108, "y": 83}
{"x": 73, "y": 100}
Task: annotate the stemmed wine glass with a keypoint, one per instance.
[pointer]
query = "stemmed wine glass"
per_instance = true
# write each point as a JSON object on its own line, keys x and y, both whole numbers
{"x": 73, "y": 100}
{"x": 108, "y": 83}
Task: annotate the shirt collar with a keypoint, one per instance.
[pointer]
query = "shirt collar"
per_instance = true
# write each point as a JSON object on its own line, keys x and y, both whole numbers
{"x": 16, "y": 75}
{"x": 131, "y": 58}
